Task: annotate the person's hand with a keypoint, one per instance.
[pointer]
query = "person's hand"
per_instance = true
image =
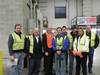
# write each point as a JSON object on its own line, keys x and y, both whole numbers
{"x": 93, "y": 47}
{"x": 79, "y": 53}
{"x": 29, "y": 57}
{"x": 24, "y": 55}
{"x": 58, "y": 52}
{"x": 46, "y": 53}
{"x": 12, "y": 58}
{"x": 67, "y": 52}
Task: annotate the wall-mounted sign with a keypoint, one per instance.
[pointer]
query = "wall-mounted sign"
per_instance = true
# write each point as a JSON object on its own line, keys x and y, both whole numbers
{"x": 86, "y": 21}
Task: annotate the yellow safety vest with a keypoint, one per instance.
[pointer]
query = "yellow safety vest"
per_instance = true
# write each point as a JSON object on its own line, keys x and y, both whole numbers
{"x": 70, "y": 41}
{"x": 82, "y": 43}
{"x": 31, "y": 44}
{"x": 27, "y": 36}
{"x": 18, "y": 43}
{"x": 93, "y": 36}
{"x": 42, "y": 44}
{"x": 59, "y": 43}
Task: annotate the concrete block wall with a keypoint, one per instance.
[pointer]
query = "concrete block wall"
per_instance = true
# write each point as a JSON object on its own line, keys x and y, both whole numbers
{"x": 12, "y": 12}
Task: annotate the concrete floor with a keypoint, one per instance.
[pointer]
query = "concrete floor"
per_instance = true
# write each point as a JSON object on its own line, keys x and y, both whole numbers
{"x": 96, "y": 66}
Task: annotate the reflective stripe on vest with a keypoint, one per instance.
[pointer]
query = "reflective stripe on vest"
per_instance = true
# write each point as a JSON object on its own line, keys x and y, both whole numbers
{"x": 59, "y": 43}
{"x": 82, "y": 43}
{"x": 70, "y": 42}
{"x": 49, "y": 39}
{"x": 18, "y": 43}
{"x": 31, "y": 44}
{"x": 93, "y": 36}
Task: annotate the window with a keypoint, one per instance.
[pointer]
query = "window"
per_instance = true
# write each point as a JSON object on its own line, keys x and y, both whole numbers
{"x": 60, "y": 12}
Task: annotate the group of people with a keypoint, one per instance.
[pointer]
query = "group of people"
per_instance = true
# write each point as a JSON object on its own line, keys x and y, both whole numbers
{"x": 80, "y": 44}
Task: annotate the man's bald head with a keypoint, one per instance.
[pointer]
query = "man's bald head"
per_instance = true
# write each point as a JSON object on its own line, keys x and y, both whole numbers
{"x": 36, "y": 29}
{"x": 49, "y": 29}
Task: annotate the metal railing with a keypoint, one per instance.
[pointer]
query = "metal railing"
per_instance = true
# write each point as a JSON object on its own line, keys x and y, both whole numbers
{"x": 74, "y": 21}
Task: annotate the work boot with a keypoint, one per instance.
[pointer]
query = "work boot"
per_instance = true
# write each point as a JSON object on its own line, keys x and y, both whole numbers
{"x": 43, "y": 70}
{"x": 53, "y": 69}
{"x": 66, "y": 71}
{"x": 70, "y": 73}
{"x": 51, "y": 73}
{"x": 90, "y": 70}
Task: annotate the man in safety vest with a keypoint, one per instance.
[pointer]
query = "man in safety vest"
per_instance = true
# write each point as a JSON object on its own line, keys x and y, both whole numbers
{"x": 16, "y": 48}
{"x": 81, "y": 45}
{"x": 35, "y": 49}
{"x": 64, "y": 31}
{"x": 26, "y": 59}
{"x": 71, "y": 38}
{"x": 93, "y": 44}
{"x": 47, "y": 45}
{"x": 60, "y": 44}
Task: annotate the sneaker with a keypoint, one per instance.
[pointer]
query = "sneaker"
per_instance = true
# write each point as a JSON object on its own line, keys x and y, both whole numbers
{"x": 66, "y": 71}
{"x": 70, "y": 73}
{"x": 90, "y": 70}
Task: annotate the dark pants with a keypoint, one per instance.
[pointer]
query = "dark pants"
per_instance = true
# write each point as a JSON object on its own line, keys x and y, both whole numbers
{"x": 81, "y": 61}
{"x": 34, "y": 64}
{"x": 66, "y": 59}
{"x": 91, "y": 53}
{"x": 49, "y": 61}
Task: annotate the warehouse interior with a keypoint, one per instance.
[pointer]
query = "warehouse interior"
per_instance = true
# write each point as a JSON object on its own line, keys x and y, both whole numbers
{"x": 41, "y": 14}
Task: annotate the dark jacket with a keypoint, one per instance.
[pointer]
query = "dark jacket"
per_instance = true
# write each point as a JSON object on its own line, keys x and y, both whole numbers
{"x": 37, "y": 47}
{"x": 26, "y": 45}
{"x": 74, "y": 35}
{"x": 10, "y": 44}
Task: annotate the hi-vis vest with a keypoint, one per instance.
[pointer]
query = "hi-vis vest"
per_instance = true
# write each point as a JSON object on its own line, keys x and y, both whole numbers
{"x": 27, "y": 36}
{"x": 67, "y": 35}
{"x": 70, "y": 41}
{"x": 18, "y": 43}
{"x": 92, "y": 39}
{"x": 82, "y": 43}
{"x": 49, "y": 39}
{"x": 42, "y": 44}
{"x": 31, "y": 44}
{"x": 59, "y": 43}
{"x": 31, "y": 39}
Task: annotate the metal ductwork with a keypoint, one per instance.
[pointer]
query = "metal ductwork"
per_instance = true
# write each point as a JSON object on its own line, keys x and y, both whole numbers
{"x": 31, "y": 22}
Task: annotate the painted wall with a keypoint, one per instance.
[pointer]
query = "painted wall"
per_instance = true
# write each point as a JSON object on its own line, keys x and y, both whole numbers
{"x": 95, "y": 7}
{"x": 12, "y": 12}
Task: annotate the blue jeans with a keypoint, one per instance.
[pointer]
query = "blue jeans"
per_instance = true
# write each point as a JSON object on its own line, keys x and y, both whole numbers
{"x": 18, "y": 66}
{"x": 91, "y": 53}
{"x": 60, "y": 59}
{"x": 71, "y": 59}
